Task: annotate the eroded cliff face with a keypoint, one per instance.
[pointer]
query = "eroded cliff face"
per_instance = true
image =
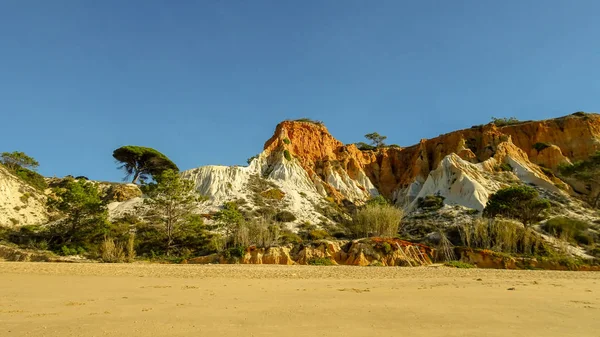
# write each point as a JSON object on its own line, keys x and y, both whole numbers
{"x": 20, "y": 204}
{"x": 459, "y": 165}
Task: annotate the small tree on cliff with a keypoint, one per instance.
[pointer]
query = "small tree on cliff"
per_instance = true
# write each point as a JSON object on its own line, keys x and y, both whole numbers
{"x": 587, "y": 171}
{"x": 172, "y": 200}
{"x": 15, "y": 160}
{"x": 87, "y": 215}
{"x": 516, "y": 202}
{"x": 142, "y": 162}
{"x": 376, "y": 139}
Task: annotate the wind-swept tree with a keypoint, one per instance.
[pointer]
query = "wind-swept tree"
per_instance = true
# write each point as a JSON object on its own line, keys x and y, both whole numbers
{"x": 142, "y": 162}
{"x": 587, "y": 171}
{"x": 15, "y": 160}
{"x": 376, "y": 139}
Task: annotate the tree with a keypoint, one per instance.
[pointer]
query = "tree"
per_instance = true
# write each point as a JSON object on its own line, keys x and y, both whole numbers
{"x": 86, "y": 212}
{"x": 587, "y": 171}
{"x": 376, "y": 139}
{"x": 142, "y": 162}
{"x": 172, "y": 200}
{"x": 15, "y": 160}
{"x": 376, "y": 220}
{"x": 516, "y": 202}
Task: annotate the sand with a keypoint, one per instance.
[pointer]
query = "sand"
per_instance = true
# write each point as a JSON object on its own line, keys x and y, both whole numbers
{"x": 48, "y": 299}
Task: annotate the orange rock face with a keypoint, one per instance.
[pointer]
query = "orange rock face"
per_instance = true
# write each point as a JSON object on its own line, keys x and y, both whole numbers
{"x": 564, "y": 139}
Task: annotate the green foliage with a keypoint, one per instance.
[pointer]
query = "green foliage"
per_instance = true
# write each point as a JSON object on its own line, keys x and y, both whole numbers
{"x": 387, "y": 248}
{"x": 32, "y": 178}
{"x": 505, "y": 167}
{"x": 87, "y": 216}
{"x": 287, "y": 155}
{"x": 318, "y": 234}
{"x": 459, "y": 264}
{"x": 364, "y": 146}
{"x": 376, "y": 220}
{"x": 308, "y": 120}
{"x": 376, "y": 139}
{"x": 505, "y": 121}
{"x": 516, "y": 202}
{"x": 15, "y": 160}
{"x": 235, "y": 252}
{"x": 287, "y": 236}
{"x": 580, "y": 114}
{"x": 274, "y": 194}
{"x": 285, "y": 216}
{"x": 540, "y": 146}
{"x": 172, "y": 201}
{"x": 431, "y": 202}
{"x": 142, "y": 162}
{"x": 249, "y": 160}
{"x": 571, "y": 230}
{"x": 378, "y": 200}
{"x": 287, "y": 141}
{"x": 320, "y": 261}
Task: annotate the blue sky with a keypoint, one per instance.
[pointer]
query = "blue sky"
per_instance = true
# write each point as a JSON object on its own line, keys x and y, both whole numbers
{"x": 205, "y": 82}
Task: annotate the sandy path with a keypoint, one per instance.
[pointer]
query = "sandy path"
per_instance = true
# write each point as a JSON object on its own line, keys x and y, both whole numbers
{"x": 45, "y": 299}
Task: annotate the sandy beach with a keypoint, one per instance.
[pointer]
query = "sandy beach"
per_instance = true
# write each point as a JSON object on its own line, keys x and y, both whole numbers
{"x": 48, "y": 299}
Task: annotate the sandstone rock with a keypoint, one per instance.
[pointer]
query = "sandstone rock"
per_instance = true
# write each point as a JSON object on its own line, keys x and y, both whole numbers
{"x": 122, "y": 192}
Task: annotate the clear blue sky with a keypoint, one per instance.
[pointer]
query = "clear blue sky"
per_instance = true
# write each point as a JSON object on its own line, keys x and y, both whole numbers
{"x": 206, "y": 81}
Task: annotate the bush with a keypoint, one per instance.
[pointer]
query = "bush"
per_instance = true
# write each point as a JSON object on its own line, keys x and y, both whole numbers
{"x": 568, "y": 229}
{"x": 364, "y": 146}
{"x": 540, "y": 146}
{"x": 320, "y": 261}
{"x": 285, "y": 216}
{"x": 32, "y": 178}
{"x": 378, "y": 200}
{"x": 504, "y": 167}
{"x": 431, "y": 202}
{"x": 516, "y": 202}
{"x": 274, "y": 193}
{"x": 287, "y": 141}
{"x": 287, "y": 236}
{"x": 505, "y": 121}
{"x": 287, "y": 155}
{"x": 318, "y": 234}
{"x": 459, "y": 264}
{"x": 376, "y": 220}
{"x": 308, "y": 120}
{"x": 579, "y": 114}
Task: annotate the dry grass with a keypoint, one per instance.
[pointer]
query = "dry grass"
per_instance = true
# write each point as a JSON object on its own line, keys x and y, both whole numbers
{"x": 501, "y": 236}
{"x": 376, "y": 220}
{"x": 111, "y": 251}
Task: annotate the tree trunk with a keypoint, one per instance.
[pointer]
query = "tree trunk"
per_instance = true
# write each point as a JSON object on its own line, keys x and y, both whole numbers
{"x": 136, "y": 176}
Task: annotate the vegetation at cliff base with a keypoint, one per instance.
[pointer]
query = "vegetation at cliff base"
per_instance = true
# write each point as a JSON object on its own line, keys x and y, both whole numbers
{"x": 23, "y": 166}
{"x": 516, "y": 202}
{"x": 587, "y": 171}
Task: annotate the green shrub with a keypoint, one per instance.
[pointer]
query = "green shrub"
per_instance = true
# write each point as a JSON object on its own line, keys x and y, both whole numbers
{"x": 318, "y": 234}
{"x": 540, "y": 146}
{"x": 516, "y": 202}
{"x": 235, "y": 252}
{"x": 308, "y": 120}
{"x": 431, "y": 202}
{"x": 504, "y": 167}
{"x": 548, "y": 172}
{"x": 378, "y": 200}
{"x": 505, "y": 121}
{"x": 285, "y": 216}
{"x": 320, "y": 261}
{"x": 472, "y": 211}
{"x": 387, "y": 248}
{"x": 459, "y": 264}
{"x": 249, "y": 160}
{"x": 287, "y": 141}
{"x": 286, "y": 236}
{"x": 579, "y": 114}
{"x": 364, "y": 146}
{"x": 32, "y": 178}
{"x": 274, "y": 193}
{"x": 287, "y": 155}
{"x": 568, "y": 229}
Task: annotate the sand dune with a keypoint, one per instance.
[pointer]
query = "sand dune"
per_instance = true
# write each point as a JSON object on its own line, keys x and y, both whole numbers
{"x": 46, "y": 299}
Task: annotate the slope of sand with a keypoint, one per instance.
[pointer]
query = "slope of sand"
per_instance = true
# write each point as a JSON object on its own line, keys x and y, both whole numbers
{"x": 46, "y": 299}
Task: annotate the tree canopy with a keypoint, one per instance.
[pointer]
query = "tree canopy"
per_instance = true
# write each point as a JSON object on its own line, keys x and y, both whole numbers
{"x": 142, "y": 162}
{"x": 516, "y": 202}
{"x": 14, "y": 160}
{"x": 376, "y": 139}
